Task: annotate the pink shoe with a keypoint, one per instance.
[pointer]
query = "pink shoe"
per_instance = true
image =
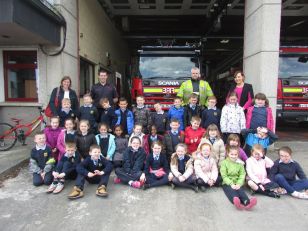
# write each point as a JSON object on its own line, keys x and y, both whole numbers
{"x": 237, "y": 203}
{"x": 253, "y": 202}
{"x": 136, "y": 184}
{"x": 117, "y": 180}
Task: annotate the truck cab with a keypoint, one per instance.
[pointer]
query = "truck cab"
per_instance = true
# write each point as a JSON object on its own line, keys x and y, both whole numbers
{"x": 159, "y": 72}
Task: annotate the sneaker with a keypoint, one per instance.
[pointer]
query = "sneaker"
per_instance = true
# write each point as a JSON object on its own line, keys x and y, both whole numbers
{"x": 237, "y": 203}
{"x": 117, "y": 180}
{"x": 101, "y": 191}
{"x": 299, "y": 195}
{"x": 136, "y": 184}
{"x": 52, "y": 187}
{"x": 76, "y": 193}
{"x": 172, "y": 186}
{"x": 252, "y": 203}
{"x": 273, "y": 194}
{"x": 59, "y": 187}
{"x": 281, "y": 191}
{"x": 195, "y": 188}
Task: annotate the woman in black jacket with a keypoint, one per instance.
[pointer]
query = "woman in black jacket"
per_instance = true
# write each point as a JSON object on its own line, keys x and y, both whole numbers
{"x": 243, "y": 90}
{"x": 63, "y": 91}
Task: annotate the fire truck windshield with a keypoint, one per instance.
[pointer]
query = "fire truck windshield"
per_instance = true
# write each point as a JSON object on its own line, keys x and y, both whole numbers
{"x": 293, "y": 66}
{"x": 172, "y": 67}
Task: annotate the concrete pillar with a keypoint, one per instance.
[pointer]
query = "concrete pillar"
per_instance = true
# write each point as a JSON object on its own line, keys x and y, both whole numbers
{"x": 53, "y": 68}
{"x": 261, "y": 46}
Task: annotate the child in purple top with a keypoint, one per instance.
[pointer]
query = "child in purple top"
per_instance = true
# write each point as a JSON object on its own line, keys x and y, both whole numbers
{"x": 52, "y": 134}
{"x": 234, "y": 140}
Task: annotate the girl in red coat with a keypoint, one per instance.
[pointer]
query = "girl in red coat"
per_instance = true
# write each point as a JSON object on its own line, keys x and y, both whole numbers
{"x": 193, "y": 134}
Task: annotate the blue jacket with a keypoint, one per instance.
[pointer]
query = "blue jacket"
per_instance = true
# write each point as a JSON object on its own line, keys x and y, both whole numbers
{"x": 177, "y": 113}
{"x": 87, "y": 166}
{"x": 111, "y": 145}
{"x": 129, "y": 121}
{"x": 68, "y": 164}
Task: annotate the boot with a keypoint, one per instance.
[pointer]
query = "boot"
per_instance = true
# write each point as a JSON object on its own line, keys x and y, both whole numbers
{"x": 101, "y": 191}
{"x": 76, "y": 193}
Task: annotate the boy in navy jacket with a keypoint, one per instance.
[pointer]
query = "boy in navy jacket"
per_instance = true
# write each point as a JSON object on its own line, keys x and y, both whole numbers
{"x": 96, "y": 170}
{"x": 66, "y": 168}
{"x": 41, "y": 161}
{"x": 66, "y": 111}
{"x": 107, "y": 115}
{"x": 89, "y": 112}
{"x": 212, "y": 114}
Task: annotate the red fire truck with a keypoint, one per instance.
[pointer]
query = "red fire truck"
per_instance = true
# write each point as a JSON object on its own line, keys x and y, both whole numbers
{"x": 292, "y": 92}
{"x": 159, "y": 71}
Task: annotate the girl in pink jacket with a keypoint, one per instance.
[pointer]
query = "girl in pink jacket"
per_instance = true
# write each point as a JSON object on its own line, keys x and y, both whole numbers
{"x": 206, "y": 168}
{"x": 256, "y": 166}
{"x": 260, "y": 114}
{"x": 52, "y": 134}
{"x": 66, "y": 135}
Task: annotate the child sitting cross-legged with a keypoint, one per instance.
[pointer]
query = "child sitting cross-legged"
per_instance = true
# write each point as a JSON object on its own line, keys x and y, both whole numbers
{"x": 95, "y": 169}
{"x": 182, "y": 169}
{"x": 156, "y": 168}
{"x": 233, "y": 178}
{"x": 66, "y": 168}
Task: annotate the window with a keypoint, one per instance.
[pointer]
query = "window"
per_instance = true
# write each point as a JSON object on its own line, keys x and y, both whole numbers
{"x": 86, "y": 76}
{"x": 20, "y": 74}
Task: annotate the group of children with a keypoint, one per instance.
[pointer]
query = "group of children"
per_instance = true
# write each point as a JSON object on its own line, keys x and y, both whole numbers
{"x": 153, "y": 149}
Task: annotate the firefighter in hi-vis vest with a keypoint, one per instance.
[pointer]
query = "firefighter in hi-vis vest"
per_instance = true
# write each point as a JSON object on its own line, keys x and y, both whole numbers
{"x": 197, "y": 86}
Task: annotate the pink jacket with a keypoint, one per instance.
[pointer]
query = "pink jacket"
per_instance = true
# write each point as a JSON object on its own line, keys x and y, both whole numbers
{"x": 61, "y": 144}
{"x": 52, "y": 138}
{"x": 269, "y": 122}
{"x": 256, "y": 169}
{"x": 206, "y": 169}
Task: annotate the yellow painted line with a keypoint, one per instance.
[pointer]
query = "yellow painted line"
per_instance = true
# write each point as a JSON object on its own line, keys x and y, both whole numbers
{"x": 292, "y": 90}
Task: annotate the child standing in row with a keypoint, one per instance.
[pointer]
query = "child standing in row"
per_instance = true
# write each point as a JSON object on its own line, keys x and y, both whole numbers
{"x": 84, "y": 139}
{"x": 212, "y": 114}
{"x": 66, "y": 168}
{"x": 125, "y": 117}
{"x": 177, "y": 111}
{"x": 234, "y": 141}
{"x": 160, "y": 119}
{"x": 66, "y": 112}
{"x": 66, "y": 135}
{"x": 105, "y": 141}
{"x": 156, "y": 168}
{"x": 192, "y": 109}
{"x": 212, "y": 137}
{"x": 41, "y": 161}
{"x": 232, "y": 117}
{"x": 260, "y": 115}
{"x": 121, "y": 143}
{"x": 233, "y": 176}
{"x": 52, "y": 134}
{"x": 96, "y": 170}
{"x": 256, "y": 167}
{"x": 182, "y": 169}
{"x": 150, "y": 138}
{"x": 142, "y": 114}
{"x": 137, "y": 132}
{"x": 173, "y": 137}
{"x": 284, "y": 172}
{"x": 193, "y": 134}
{"x": 206, "y": 168}
{"x": 89, "y": 112}
{"x": 108, "y": 115}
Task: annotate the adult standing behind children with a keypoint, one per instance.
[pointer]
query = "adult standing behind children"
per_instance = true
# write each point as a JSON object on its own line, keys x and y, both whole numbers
{"x": 63, "y": 91}
{"x": 244, "y": 91}
{"x": 197, "y": 86}
{"x": 102, "y": 89}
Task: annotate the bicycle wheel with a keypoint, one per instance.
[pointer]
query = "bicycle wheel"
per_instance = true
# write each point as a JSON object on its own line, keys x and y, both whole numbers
{"x": 8, "y": 137}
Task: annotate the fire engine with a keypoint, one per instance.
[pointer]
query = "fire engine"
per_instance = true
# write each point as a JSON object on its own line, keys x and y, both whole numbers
{"x": 159, "y": 71}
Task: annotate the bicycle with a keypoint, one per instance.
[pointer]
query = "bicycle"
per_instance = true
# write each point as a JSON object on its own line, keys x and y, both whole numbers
{"x": 9, "y": 134}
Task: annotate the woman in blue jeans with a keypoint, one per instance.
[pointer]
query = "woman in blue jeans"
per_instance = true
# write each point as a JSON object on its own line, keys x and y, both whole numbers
{"x": 284, "y": 172}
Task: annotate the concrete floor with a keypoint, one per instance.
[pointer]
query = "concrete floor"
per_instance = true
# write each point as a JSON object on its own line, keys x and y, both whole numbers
{"x": 25, "y": 207}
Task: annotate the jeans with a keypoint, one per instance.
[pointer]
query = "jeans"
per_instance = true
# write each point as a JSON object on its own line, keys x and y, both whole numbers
{"x": 188, "y": 183}
{"x": 126, "y": 177}
{"x": 240, "y": 193}
{"x": 153, "y": 181}
{"x": 37, "y": 179}
{"x": 291, "y": 186}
